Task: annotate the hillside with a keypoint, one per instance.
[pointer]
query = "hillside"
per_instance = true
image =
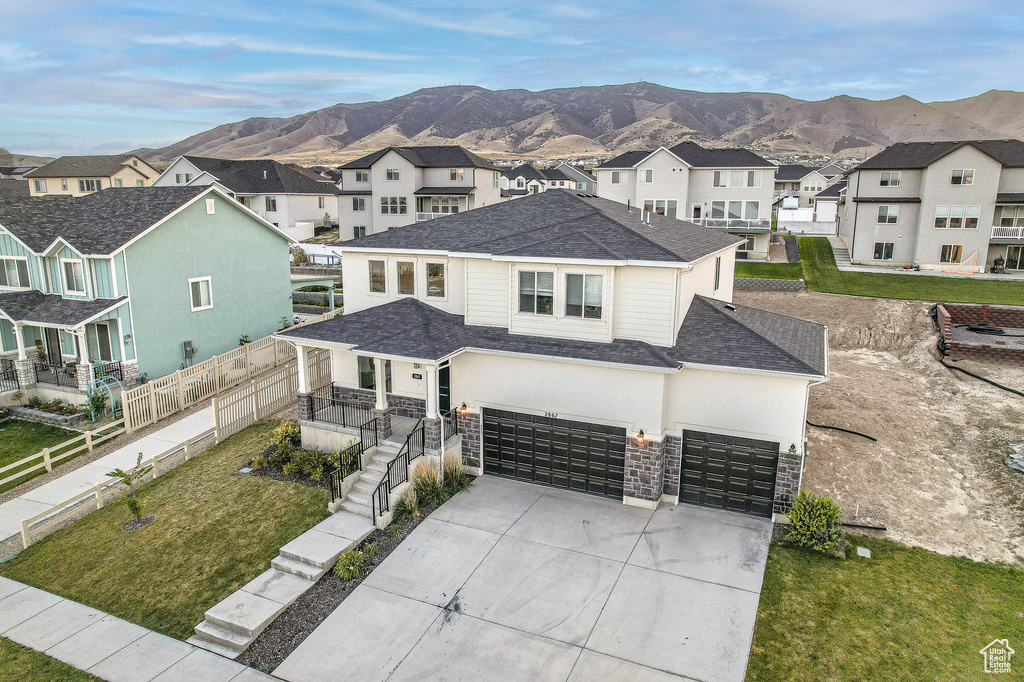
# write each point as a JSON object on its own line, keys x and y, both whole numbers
{"x": 598, "y": 121}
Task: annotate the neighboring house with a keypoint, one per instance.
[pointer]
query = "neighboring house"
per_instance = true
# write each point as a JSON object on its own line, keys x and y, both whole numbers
{"x": 725, "y": 189}
{"x": 121, "y": 282}
{"x": 787, "y": 180}
{"x": 528, "y": 179}
{"x": 942, "y": 205}
{"x": 398, "y": 186}
{"x": 826, "y": 202}
{"x": 803, "y": 183}
{"x": 293, "y": 198}
{"x": 572, "y": 345}
{"x": 328, "y": 173}
{"x": 585, "y": 182}
{"x": 15, "y": 172}
{"x": 79, "y": 175}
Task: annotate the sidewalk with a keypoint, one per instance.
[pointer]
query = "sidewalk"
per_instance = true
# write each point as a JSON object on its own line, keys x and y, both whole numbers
{"x": 105, "y": 646}
{"x": 81, "y": 480}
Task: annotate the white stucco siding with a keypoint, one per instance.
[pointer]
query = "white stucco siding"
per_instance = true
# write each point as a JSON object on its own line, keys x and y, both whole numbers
{"x": 356, "y": 278}
{"x": 622, "y": 397}
{"x": 736, "y": 404}
{"x": 486, "y": 192}
{"x": 644, "y": 304}
{"x": 1011, "y": 180}
{"x": 703, "y": 192}
{"x": 559, "y": 324}
{"x": 345, "y": 372}
{"x": 180, "y": 166}
{"x": 487, "y": 292}
{"x": 405, "y": 187}
{"x": 701, "y": 280}
{"x": 669, "y": 182}
{"x": 622, "y": 191}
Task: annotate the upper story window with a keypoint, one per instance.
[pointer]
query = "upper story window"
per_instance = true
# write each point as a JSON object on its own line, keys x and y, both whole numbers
{"x": 1010, "y": 216}
{"x": 210, "y": 207}
{"x": 435, "y": 280}
{"x": 955, "y": 217}
{"x": 88, "y": 185}
{"x": 888, "y": 214}
{"x": 393, "y": 205}
{"x": 362, "y": 176}
{"x": 201, "y": 293}
{"x": 889, "y": 179}
{"x": 962, "y": 176}
{"x": 320, "y": 202}
{"x": 358, "y": 203}
{"x": 64, "y": 184}
{"x": 736, "y": 178}
{"x": 537, "y": 292}
{"x": 444, "y": 204}
{"x": 406, "y": 271}
{"x": 271, "y": 204}
{"x": 520, "y": 183}
{"x": 719, "y": 179}
{"x": 138, "y": 183}
{"x": 40, "y": 185}
{"x": 753, "y": 178}
{"x": 583, "y": 296}
{"x": 182, "y": 178}
{"x": 377, "y": 277}
{"x": 74, "y": 276}
{"x": 117, "y": 182}
{"x": 456, "y": 174}
{"x": 358, "y": 231}
{"x": 495, "y": 180}
{"x": 14, "y": 273}
{"x": 645, "y": 176}
{"x": 616, "y": 177}
{"x": 394, "y": 174}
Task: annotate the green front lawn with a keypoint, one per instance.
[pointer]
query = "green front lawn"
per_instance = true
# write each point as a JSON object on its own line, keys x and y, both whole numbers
{"x": 214, "y": 532}
{"x": 903, "y": 614}
{"x": 25, "y": 665}
{"x": 817, "y": 267}
{"x": 20, "y": 438}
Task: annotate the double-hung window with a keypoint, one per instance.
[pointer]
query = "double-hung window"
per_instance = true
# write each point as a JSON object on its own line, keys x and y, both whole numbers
{"x": 74, "y": 277}
{"x": 962, "y": 176}
{"x": 435, "y": 280}
{"x": 951, "y": 253}
{"x": 956, "y": 216}
{"x": 358, "y": 231}
{"x": 201, "y": 292}
{"x": 393, "y": 174}
{"x": 362, "y": 176}
{"x": 406, "y": 271}
{"x": 941, "y": 217}
{"x": 456, "y": 174}
{"x": 883, "y": 250}
{"x": 583, "y": 296}
{"x": 536, "y": 292}
{"x": 14, "y": 273}
{"x": 393, "y": 205}
{"x": 271, "y": 204}
{"x": 88, "y": 185}
{"x": 646, "y": 175}
{"x": 1010, "y": 216}
{"x": 889, "y": 179}
{"x": 973, "y": 213}
{"x": 358, "y": 203}
{"x": 888, "y": 214}
{"x": 377, "y": 277}
{"x": 40, "y": 186}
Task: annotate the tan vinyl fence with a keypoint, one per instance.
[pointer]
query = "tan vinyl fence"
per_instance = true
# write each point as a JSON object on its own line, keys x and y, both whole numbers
{"x": 48, "y": 457}
{"x": 39, "y": 526}
{"x": 160, "y": 398}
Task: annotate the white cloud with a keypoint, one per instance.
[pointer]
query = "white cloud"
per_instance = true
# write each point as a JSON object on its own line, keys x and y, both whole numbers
{"x": 218, "y": 41}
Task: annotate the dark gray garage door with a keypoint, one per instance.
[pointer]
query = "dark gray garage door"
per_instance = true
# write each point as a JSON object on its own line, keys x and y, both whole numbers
{"x": 728, "y": 472}
{"x": 579, "y": 456}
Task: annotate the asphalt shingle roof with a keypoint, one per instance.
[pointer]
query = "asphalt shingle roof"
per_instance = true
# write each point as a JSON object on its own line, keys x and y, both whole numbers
{"x": 439, "y": 156}
{"x": 626, "y": 160}
{"x": 831, "y": 191}
{"x": 35, "y": 306}
{"x": 558, "y": 223}
{"x": 697, "y": 156}
{"x": 531, "y": 172}
{"x": 913, "y": 155}
{"x": 82, "y": 167}
{"x": 96, "y": 223}
{"x": 791, "y": 172}
{"x": 263, "y": 176}
{"x": 440, "y": 191}
{"x": 14, "y": 188}
{"x": 1010, "y": 198}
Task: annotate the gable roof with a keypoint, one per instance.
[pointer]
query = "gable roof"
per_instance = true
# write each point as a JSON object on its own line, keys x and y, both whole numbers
{"x": 438, "y": 156}
{"x": 576, "y": 169}
{"x": 791, "y": 172}
{"x": 84, "y": 167}
{"x": 718, "y": 333}
{"x": 626, "y": 160}
{"x": 531, "y": 172}
{"x": 916, "y": 155}
{"x": 556, "y": 224}
{"x": 831, "y": 170}
{"x": 832, "y": 191}
{"x": 262, "y": 176}
{"x": 696, "y": 156}
{"x": 97, "y": 223}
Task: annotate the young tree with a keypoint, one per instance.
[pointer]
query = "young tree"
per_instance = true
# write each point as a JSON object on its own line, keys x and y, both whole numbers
{"x": 131, "y": 480}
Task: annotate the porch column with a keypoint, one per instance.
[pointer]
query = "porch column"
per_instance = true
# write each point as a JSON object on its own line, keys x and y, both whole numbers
{"x": 302, "y": 395}
{"x": 23, "y": 366}
{"x": 381, "y": 410}
{"x": 431, "y": 381}
{"x": 431, "y": 423}
{"x": 19, "y": 331}
{"x": 84, "y": 369}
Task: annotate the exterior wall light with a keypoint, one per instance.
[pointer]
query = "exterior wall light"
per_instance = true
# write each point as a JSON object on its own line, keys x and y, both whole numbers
{"x": 640, "y": 438}
{"x": 463, "y": 409}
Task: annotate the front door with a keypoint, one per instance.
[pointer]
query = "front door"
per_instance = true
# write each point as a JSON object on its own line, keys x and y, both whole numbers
{"x": 53, "y": 346}
{"x": 1015, "y": 258}
{"x": 444, "y": 389}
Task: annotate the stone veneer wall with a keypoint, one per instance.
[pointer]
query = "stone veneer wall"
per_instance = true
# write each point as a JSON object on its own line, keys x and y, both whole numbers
{"x": 645, "y": 469}
{"x": 432, "y": 434}
{"x": 470, "y": 426}
{"x": 401, "y": 405}
{"x": 1011, "y": 317}
{"x": 673, "y": 464}
{"x": 787, "y": 480}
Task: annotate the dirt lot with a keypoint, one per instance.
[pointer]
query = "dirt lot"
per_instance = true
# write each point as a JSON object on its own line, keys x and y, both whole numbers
{"x": 935, "y": 477}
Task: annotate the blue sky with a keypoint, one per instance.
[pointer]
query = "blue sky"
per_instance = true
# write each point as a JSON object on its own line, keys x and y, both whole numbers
{"x": 100, "y": 77}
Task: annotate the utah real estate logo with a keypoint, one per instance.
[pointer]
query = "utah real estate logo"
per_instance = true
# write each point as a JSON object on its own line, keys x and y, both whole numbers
{"x": 997, "y": 656}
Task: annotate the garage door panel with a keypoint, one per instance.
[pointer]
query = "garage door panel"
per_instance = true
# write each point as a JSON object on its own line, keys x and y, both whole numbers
{"x": 728, "y": 472}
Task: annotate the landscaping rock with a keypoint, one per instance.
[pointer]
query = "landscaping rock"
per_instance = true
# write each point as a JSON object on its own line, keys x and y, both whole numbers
{"x": 1016, "y": 458}
{"x": 136, "y": 524}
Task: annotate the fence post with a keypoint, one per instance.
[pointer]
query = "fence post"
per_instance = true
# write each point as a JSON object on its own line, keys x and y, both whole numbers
{"x": 46, "y": 459}
{"x": 277, "y": 359}
{"x": 152, "y": 405}
{"x": 152, "y": 466}
{"x": 26, "y": 537}
{"x": 216, "y": 419}
{"x": 181, "y": 391}
{"x": 88, "y": 441}
{"x": 248, "y": 361}
{"x": 188, "y": 451}
{"x": 98, "y": 492}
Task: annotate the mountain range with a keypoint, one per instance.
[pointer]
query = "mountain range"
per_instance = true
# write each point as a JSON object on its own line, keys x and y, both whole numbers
{"x": 597, "y": 121}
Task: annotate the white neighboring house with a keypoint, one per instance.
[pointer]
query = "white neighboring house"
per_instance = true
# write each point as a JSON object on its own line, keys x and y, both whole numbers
{"x": 528, "y": 179}
{"x": 290, "y": 197}
{"x": 560, "y": 340}
{"x": 398, "y": 186}
{"x": 722, "y": 189}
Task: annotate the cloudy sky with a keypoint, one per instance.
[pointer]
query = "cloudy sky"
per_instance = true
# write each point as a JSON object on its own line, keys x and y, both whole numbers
{"x": 100, "y": 77}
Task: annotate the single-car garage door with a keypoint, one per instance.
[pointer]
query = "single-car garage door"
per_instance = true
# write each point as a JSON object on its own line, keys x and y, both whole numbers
{"x": 728, "y": 472}
{"x": 579, "y": 456}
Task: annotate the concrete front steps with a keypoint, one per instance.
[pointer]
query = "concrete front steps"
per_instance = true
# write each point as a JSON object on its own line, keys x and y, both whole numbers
{"x": 232, "y": 625}
{"x": 359, "y": 499}
{"x": 840, "y": 251}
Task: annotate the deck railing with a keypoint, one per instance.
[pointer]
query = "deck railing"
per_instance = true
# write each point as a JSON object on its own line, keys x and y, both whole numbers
{"x": 734, "y": 223}
{"x": 8, "y": 376}
{"x": 108, "y": 369}
{"x": 1001, "y": 232}
{"x": 398, "y": 470}
{"x": 350, "y": 460}
{"x": 450, "y": 423}
{"x": 338, "y": 412}
{"x": 55, "y": 375}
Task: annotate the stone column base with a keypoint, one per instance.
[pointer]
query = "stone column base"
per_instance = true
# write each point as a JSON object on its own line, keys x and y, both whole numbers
{"x": 471, "y": 429}
{"x": 787, "y": 480}
{"x": 383, "y": 418}
{"x": 26, "y": 372}
{"x": 432, "y": 435}
{"x": 645, "y": 471}
{"x": 305, "y": 406}
{"x": 83, "y": 372}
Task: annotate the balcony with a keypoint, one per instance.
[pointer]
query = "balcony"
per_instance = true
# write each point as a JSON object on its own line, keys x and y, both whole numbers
{"x": 1000, "y": 232}
{"x": 785, "y": 193}
{"x": 748, "y": 225}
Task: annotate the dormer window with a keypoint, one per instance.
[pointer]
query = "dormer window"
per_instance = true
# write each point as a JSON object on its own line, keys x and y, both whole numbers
{"x": 74, "y": 276}
{"x": 14, "y": 273}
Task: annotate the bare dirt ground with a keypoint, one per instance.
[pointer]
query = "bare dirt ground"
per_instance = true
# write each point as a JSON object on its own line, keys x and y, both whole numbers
{"x": 936, "y": 476}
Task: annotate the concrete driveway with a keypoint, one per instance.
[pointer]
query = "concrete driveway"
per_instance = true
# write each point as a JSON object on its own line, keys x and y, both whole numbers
{"x": 515, "y": 581}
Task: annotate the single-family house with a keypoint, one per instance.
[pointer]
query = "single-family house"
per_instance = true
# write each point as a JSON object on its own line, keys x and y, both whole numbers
{"x": 133, "y": 281}
{"x": 398, "y": 186}
{"x": 722, "y": 189}
{"x": 15, "y": 172}
{"x": 290, "y": 197}
{"x": 78, "y": 175}
{"x": 528, "y": 179}
{"x": 569, "y": 341}
{"x": 941, "y": 205}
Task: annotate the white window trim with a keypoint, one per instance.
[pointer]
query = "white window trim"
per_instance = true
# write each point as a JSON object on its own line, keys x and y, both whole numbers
{"x": 64, "y": 277}
{"x": 21, "y": 258}
{"x": 398, "y": 284}
{"x": 396, "y": 172}
{"x": 209, "y": 280}
{"x": 426, "y": 279}
{"x": 964, "y": 174}
{"x": 369, "y": 276}
{"x": 952, "y": 246}
{"x": 565, "y": 296}
{"x": 554, "y": 294}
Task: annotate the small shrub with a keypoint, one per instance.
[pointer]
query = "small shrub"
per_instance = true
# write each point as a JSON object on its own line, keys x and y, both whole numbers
{"x": 258, "y": 462}
{"x": 243, "y": 340}
{"x": 290, "y": 468}
{"x": 426, "y": 481}
{"x": 130, "y": 480}
{"x": 407, "y": 507}
{"x": 352, "y": 564}
{"x": 18, "y": 396}
{"x": 455, "y": 477}
{"x": 287, "y": 438}
{"x": 815, "y": 522}
{"x": 285, "y": 323}
{"x": 34, "y": 402}
{"x": 315, "y": 462}
{"x": 279, "y": 456}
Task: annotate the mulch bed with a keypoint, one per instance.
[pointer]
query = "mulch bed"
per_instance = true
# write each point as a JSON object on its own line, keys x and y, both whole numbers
{"x": 792, "y": 249}
{"x": 296, "y": 622}
{"x": 276, "y": 472}
{"x": 140, "y": 523}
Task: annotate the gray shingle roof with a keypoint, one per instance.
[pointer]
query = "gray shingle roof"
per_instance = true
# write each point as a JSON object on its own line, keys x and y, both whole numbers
{"x": 263, "y": 176}
{"x": 831, "y": 191}
{"x": 96, "y": 223}
{"x": 441, "y": 191}
{"x": 531, "y": 172}
{"x": 558, "y": 223}
{"x": 912, "y": 155}
{"x": 439, "y": 156}
{"x": 791, "y": 172}
{"x": 35, "y": 306}
{"x": 1010, "y": 198}
{"x": 82, "y": 167}
{"x": 14, "y": 188}
{"x": 697, "y": 156}
{"x": 718, "y": 333}
{"x": 626, "y": 160}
